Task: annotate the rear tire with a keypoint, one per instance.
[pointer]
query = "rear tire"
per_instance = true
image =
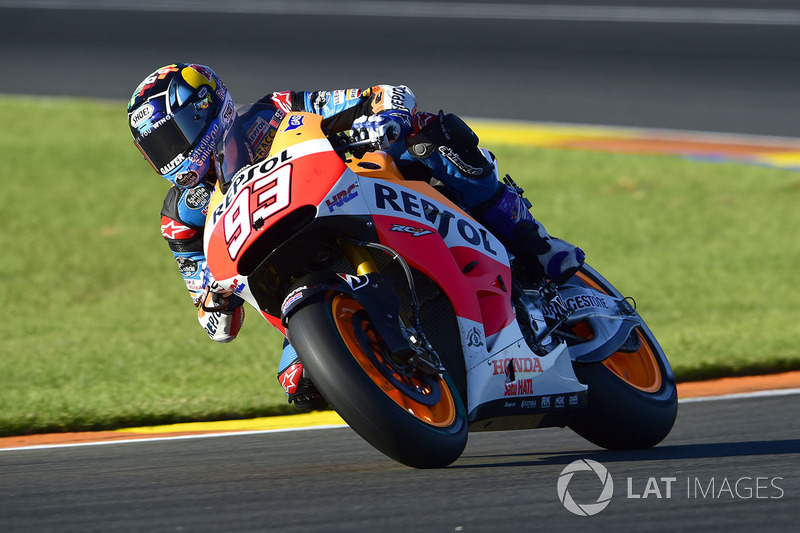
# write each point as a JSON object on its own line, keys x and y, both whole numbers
{"x": 633, "y": 400}
{"x": 414, "y": 418}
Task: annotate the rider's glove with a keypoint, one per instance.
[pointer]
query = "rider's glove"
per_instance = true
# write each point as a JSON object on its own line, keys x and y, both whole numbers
{"x": 221, "y": 316}
{"x": 383, "y": 128}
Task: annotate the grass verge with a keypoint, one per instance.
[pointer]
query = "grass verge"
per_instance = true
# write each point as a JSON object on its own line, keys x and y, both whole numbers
{"x": 98, "y": 331}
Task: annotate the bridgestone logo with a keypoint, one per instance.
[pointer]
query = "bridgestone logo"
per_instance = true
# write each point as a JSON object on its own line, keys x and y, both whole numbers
{"x": 586, "y": 509}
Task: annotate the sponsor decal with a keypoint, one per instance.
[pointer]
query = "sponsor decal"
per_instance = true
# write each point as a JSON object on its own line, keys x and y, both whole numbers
{"x": 295, "y": 121}
{"x": 581, "y": 301}
{"x": 353, "y": 94}
{"x": 283, "y": 100}
{"x": 461, "y": 165}
{"x": 518, "y": 364}
{"x": 320, "y": 99}
{"x": 228, "y": 112}
{"x": 212, "y": 324}
{"x": 197, "y": 197}
{"x": 256, "y": 132}
{"x": 545, "y": 402}
{"x": 174, "y": 230}
{"x": 355, "y": 282}
{"x": 188, "y": 267}
{"x": 184, "y": 179}
{"x": 205, "y": 101}
{"x": 140, "y": 115}
{"x": 388, "y": 198}
{"x": 338, "y": 97}
{"x": 377, "y": 100}
{"x": 271, "y": 192}
{"x": 206, "y": 147}
{"x": 529, "y": 404}
{"x": 157, "y": 125}
{"x": 204, "y": 72}
{"x": 341, "y": 197}
{"x": 241, "y": 179}
{"x": 276, "y": 119}
{"x": 172, "y": 165}
{"x": 262, "y": 149}
{"x": 416, "y": 232}
{"x": 474, "y": 338}
{"x": 521, "y": 387}
{"x": 196, "y": 290}
{"x": 422, "y": 119}
{"x": 236, "y": 287}
{"x": 290, "y": 378}
{"x": 291, "y": 298}
{"x": 389, "y": 97}
{"x": 400, "y": 98}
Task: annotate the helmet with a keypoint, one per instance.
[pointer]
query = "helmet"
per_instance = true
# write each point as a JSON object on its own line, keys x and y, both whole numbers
{"x": 176, "y": 116}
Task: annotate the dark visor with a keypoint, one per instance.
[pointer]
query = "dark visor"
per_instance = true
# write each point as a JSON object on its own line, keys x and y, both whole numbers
{"x": 174, "y": 137}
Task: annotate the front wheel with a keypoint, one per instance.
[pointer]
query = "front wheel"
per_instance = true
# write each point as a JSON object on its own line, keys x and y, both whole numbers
{"x": 415, "y": 418}
{"x": 633, "y": 400}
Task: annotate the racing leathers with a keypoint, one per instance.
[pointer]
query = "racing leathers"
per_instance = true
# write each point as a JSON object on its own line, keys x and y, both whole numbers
{"x": 424, "y": 146}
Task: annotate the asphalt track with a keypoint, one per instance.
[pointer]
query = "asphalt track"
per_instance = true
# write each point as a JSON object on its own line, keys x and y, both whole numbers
{"x": 710, "y": 77}
{"x": 657, "y": 71}
{"x": 330, "y": 480}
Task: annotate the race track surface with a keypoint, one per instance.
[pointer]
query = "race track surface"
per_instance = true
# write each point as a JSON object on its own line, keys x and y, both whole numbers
{"x": 330, "y": 480}
{"x": 712, "y": 76}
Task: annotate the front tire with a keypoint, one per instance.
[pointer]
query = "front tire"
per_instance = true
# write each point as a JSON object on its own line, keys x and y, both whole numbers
{"x": 416, "y": 419}
{"x": 633, "y": 399}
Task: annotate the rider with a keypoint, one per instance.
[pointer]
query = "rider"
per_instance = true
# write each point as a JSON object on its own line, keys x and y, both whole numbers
{"x": 180, "y": 112}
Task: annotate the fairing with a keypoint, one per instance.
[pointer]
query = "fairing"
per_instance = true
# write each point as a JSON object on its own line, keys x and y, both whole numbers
{"x": 303, "y": 174}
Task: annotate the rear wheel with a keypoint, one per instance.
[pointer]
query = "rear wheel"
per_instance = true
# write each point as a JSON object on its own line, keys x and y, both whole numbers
{"x": 417, "y": 419}
{"x": 633, "y": 399}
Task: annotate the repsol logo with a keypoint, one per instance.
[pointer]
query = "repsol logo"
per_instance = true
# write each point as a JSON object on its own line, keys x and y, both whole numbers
{"x": 387, "y": 198}
{"x": 246, "y": 175}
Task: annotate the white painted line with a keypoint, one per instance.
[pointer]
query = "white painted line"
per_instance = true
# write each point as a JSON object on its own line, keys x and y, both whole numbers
{"x": 742, "y": 395}
{"x": 448, "y": 10}
{"x": 738, "y": 396}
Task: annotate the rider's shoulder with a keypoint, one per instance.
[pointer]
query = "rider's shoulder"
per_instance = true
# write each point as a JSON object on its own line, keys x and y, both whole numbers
{"x": 188, "y": 206}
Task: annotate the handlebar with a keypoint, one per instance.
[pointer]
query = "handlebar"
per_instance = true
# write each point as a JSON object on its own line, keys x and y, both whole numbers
{"x": 343, "y": 143}
{"x": 357, "y": 146}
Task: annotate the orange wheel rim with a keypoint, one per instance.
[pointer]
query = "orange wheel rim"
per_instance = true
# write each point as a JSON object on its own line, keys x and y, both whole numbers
{"x": 638, "y": 368}
{"x": 439, "y": 414}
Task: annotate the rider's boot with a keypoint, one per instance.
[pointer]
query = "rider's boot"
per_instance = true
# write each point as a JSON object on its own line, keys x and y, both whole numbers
{"x": 298, "y": 387}
{"x": 507, "y": 216}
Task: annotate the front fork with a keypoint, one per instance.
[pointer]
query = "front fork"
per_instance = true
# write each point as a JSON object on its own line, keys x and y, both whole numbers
{"x": 426, "y": 357}
{"x": 359, "y": 257}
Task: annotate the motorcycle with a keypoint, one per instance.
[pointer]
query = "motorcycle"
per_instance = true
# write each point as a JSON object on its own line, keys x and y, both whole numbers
{"x": 413, "y": 320}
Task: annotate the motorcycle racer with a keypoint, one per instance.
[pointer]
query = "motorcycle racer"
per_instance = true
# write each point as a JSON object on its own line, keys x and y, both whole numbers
{"x": 182, "y": 115}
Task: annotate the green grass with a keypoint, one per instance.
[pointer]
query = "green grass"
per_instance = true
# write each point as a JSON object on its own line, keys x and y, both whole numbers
{"x": 99, "y": 332}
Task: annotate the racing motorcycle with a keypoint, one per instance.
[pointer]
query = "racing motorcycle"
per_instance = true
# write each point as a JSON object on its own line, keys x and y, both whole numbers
{"x": 413, "y": 320}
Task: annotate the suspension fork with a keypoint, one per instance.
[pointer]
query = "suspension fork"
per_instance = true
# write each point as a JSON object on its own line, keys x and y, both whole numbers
{"x": 359, "y": 257}
{"x": 358, "y": 254}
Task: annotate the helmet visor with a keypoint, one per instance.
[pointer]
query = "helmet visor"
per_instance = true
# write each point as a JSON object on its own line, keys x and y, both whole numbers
{"x": 169, "y": 141}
